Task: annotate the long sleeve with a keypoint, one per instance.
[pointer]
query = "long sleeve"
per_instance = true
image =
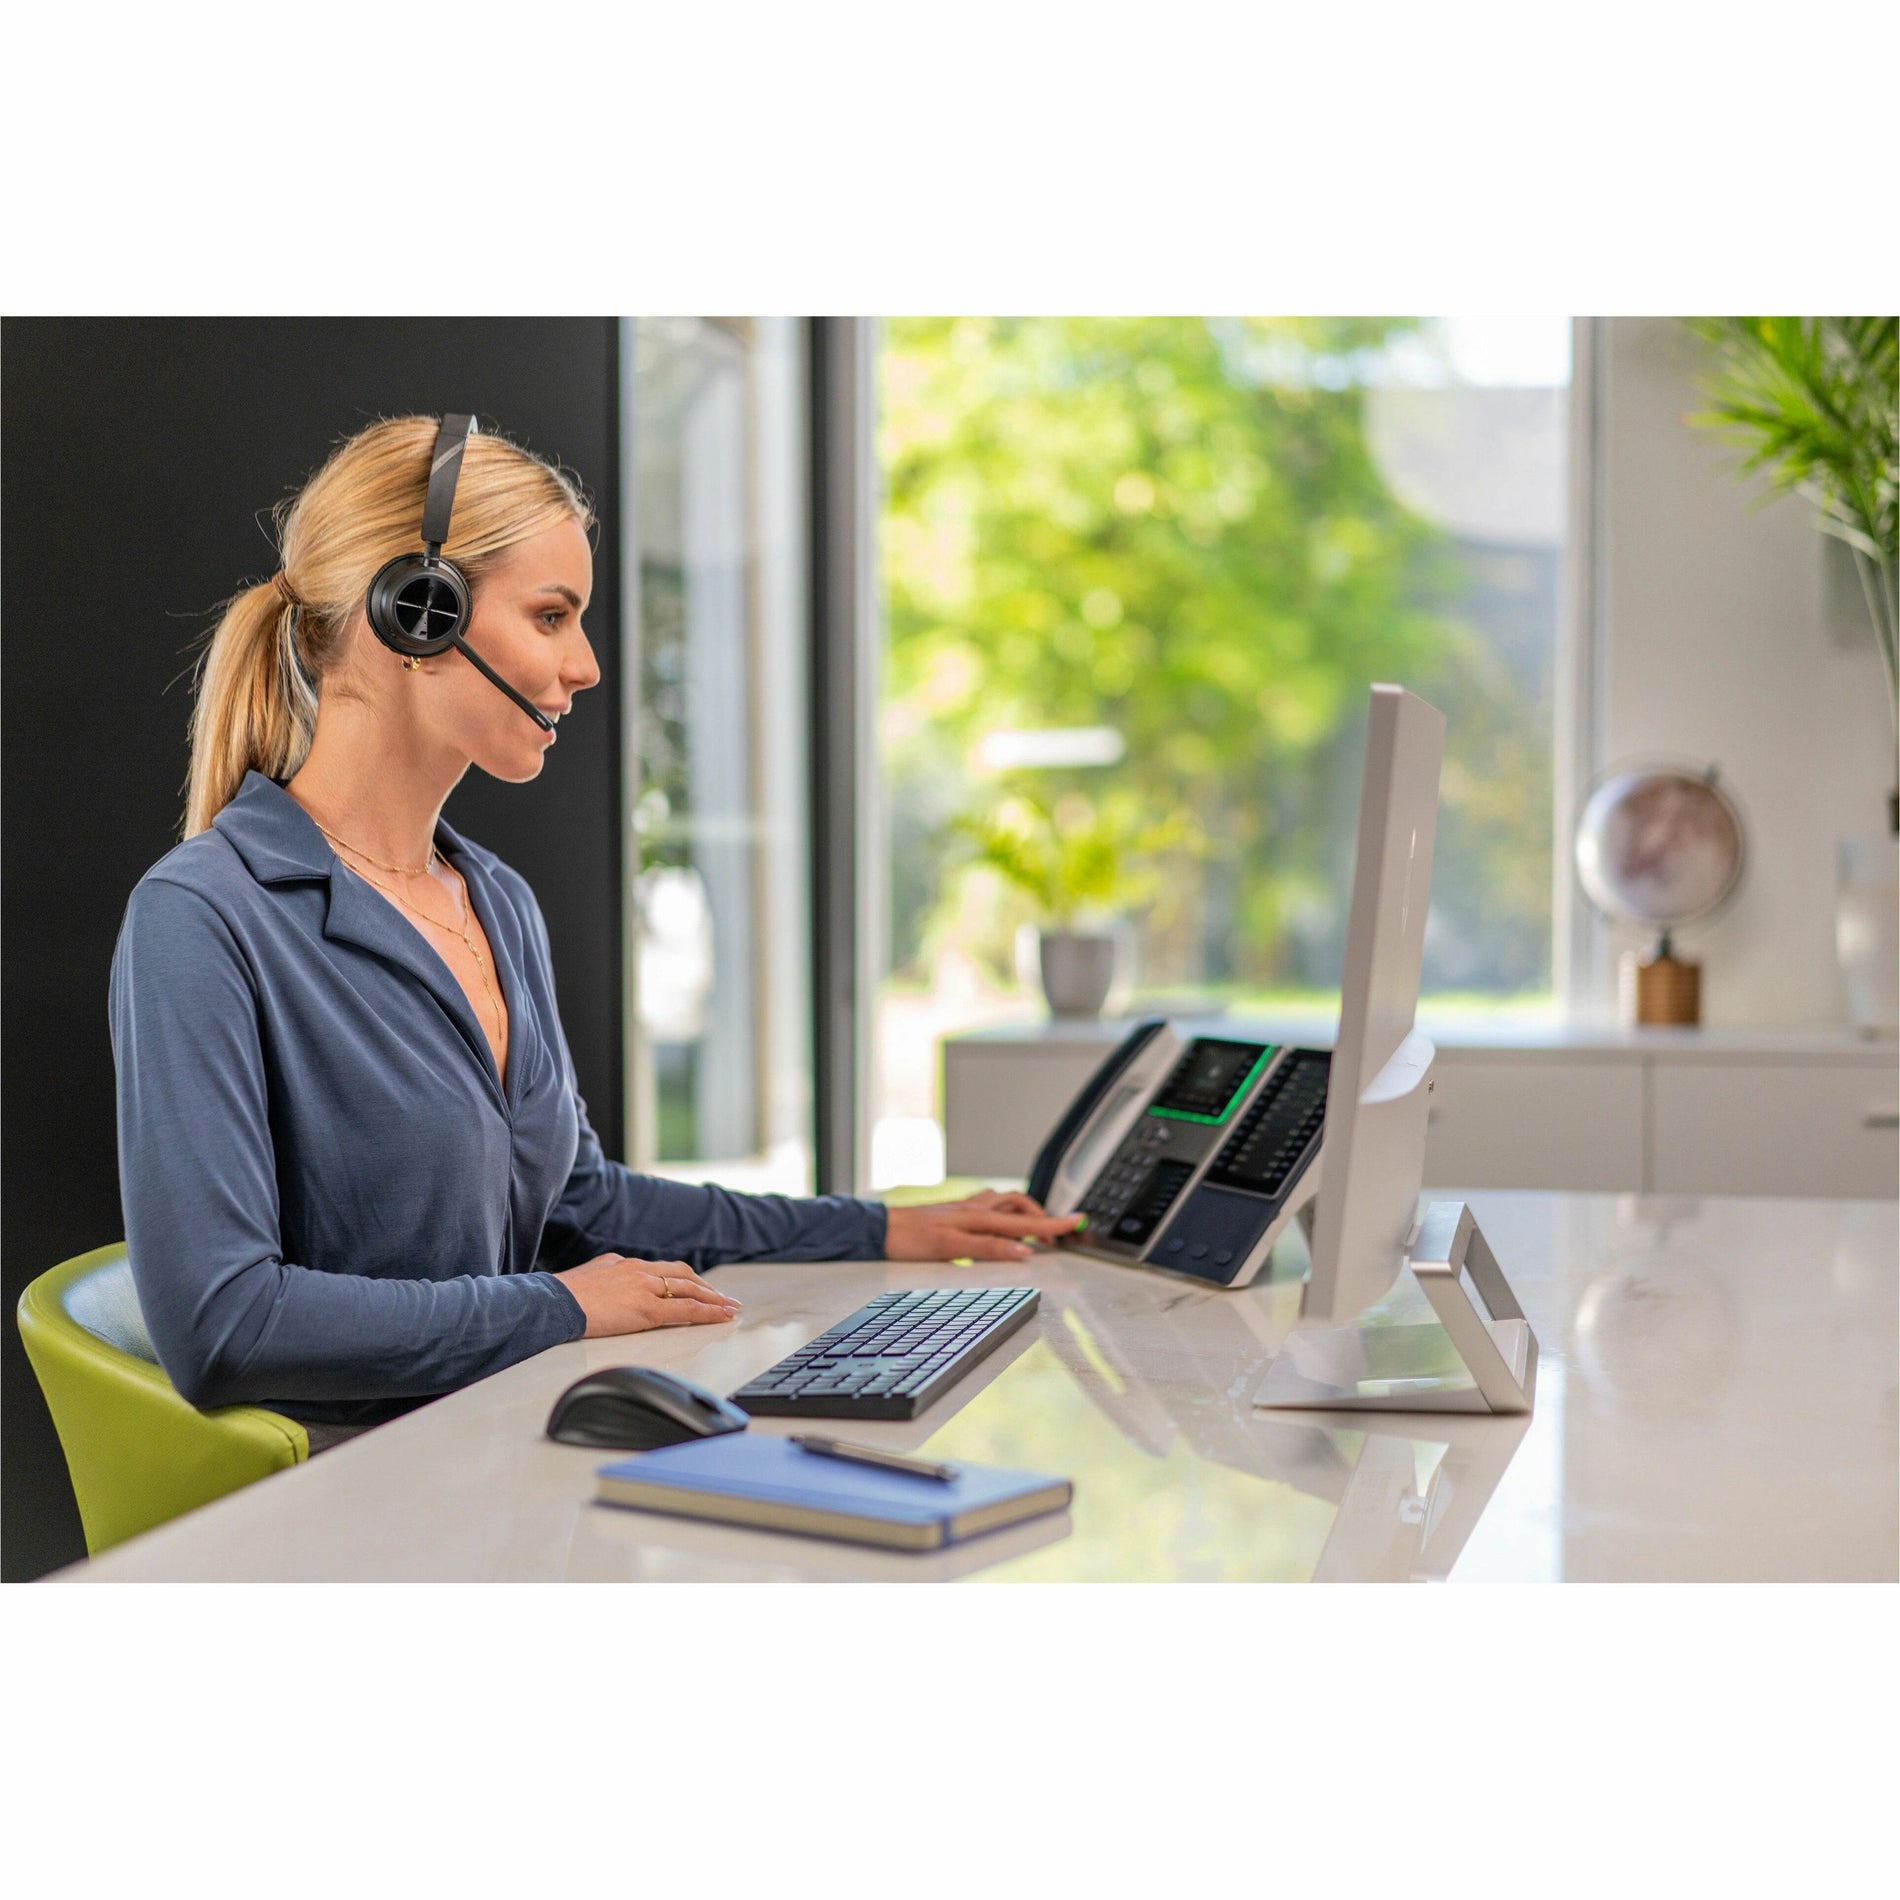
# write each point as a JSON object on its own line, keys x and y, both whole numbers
{"x": 607, "y": 1208}
{"x": 233, "y": 1321}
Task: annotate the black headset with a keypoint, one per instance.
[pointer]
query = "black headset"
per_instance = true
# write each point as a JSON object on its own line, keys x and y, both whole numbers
{"x": 419, "y": 604}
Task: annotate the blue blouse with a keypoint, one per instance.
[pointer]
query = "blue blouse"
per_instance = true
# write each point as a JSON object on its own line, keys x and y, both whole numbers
{"x": 333, "y": 1205}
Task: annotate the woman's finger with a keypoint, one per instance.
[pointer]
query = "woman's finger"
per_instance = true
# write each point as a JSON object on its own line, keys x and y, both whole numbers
{"x": 668, "y": 1286}
{"x": 675, "y": 1270}
{"x": 684, "y": 1280}
{"x": 1019, "y": 1226}
{"x": 1009, "y": 1204}
{"x": 686, "y": 1309}
{"x": 689, "y": 1313}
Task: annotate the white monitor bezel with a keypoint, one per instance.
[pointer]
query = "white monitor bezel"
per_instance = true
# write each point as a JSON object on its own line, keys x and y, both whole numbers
{"x": 1373, "y": 1149}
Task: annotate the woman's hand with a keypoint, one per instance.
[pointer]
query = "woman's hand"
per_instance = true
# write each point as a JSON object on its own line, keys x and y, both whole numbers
{"x": 619, "y": 1295}
{"x": 988, "y": 1226}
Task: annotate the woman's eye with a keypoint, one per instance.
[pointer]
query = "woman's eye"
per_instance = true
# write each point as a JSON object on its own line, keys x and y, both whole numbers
{"x": 552, "y": 617}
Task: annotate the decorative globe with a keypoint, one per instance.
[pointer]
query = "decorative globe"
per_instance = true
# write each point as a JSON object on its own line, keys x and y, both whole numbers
{"x": 1659, "y": 845}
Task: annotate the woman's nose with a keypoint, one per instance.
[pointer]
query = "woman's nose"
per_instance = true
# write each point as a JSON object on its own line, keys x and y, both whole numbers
{"x": 582, "y": 670}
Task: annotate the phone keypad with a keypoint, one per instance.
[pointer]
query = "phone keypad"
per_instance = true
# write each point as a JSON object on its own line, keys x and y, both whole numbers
{"x": 1137, "y": 1187}
{"x": 1152, "y": 1201}
{"x": 1114, "y": 1189}
{"x": 1122, "y": 1181}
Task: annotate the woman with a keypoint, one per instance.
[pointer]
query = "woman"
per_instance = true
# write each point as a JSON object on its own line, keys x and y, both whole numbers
{"x": 354, "y": 1165}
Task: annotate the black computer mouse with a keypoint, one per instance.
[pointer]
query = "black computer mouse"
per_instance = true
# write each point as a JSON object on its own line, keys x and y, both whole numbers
{"x": 639, "y": 1408}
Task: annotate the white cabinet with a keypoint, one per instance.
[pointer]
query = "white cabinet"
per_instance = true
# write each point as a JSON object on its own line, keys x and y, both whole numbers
{"x": 1775, "y": 1128}
{"x": 1525, "y": 1123}
{"x": 1001, "y": 1098}
{"x": 1613, "y": 1111}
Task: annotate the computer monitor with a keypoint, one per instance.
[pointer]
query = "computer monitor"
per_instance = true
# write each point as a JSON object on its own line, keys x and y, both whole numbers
{"x": 1373, "y": 1149}
{"x": 1479, "y": 1354}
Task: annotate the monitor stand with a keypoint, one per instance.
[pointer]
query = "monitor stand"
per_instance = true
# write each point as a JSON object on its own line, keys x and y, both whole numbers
{"x": 1480, "y": 1357}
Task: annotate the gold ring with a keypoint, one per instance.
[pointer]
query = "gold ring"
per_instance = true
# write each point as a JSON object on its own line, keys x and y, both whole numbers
{"x": 666, "y": 1288}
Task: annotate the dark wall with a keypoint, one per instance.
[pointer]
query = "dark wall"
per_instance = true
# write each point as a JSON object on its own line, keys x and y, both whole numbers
{"x": 138, "y": 464}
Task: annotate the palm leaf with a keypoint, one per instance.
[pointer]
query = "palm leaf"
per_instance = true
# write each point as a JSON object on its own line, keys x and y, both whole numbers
{"x": 1814, "y": 403}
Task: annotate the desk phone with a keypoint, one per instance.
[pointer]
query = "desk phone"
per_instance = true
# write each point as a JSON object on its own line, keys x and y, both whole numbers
{"x": 1188, "y": 1153}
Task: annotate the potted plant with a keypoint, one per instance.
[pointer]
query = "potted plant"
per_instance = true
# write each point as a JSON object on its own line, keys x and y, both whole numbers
{"x": 1082, "y": 864}
{"x": 1815, "y": 402}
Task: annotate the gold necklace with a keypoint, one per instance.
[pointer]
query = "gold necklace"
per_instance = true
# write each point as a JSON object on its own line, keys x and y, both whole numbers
{"x": 401, "y": 870}
{"x": 474, "y": 949}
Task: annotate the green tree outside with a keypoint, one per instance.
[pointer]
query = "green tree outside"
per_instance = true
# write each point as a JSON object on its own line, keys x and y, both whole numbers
{"x": 1174, "y": 527}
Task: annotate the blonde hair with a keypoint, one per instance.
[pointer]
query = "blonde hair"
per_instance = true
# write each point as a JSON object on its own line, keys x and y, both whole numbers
{"x": 258, "y": 680}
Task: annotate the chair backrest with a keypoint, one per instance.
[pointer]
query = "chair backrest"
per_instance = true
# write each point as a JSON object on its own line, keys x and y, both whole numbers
{"x": 138, "y": 1453}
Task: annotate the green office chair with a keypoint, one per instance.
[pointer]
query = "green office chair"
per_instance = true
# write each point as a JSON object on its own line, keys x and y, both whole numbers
{"x": 138, "y": 1453}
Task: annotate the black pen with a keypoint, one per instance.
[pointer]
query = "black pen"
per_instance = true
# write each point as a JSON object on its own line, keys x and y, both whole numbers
{"x": 870, "y": 1455}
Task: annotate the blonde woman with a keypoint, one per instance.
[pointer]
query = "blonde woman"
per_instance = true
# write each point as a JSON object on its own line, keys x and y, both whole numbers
{"x": 354, "y": 1165}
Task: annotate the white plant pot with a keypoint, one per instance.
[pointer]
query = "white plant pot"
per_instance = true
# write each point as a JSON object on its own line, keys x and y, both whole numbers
{"x": 1867, "y": 930}
{"x": 1076, "y": 969}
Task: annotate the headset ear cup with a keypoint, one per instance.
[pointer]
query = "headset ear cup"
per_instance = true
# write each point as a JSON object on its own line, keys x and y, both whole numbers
{"x": 417, "y": 607}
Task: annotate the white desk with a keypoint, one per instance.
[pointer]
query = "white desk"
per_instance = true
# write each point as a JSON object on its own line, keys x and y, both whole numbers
{"x": 1716, "y": 1399}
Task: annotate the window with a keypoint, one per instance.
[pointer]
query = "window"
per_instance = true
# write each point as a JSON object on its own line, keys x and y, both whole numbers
{"x": 1137, "y": 575}
{"x": 720, "y": 1056}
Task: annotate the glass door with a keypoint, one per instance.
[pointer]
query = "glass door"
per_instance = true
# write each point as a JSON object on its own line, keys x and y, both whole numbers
{"x": 719, "y": 1062}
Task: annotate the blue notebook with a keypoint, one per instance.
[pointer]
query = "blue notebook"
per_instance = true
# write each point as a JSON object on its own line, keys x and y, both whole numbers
{"x": 768, "y": 1482}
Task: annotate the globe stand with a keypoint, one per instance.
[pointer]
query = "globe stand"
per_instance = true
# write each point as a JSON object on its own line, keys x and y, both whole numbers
{"x": 1660, "y": 990}
{"x": 1481, "y": 1356}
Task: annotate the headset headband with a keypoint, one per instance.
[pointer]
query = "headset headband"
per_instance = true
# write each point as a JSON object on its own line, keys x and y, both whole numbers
{"x": 419, "y": 605}
{"x": 445, "y": 469}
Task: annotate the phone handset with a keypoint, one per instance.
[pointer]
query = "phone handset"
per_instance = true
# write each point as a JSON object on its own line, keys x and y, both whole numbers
{"x": 1042, "y": 1177}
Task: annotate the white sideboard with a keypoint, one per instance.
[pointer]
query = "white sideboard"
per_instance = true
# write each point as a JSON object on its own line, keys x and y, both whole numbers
{"x": 1657, "y": 1111}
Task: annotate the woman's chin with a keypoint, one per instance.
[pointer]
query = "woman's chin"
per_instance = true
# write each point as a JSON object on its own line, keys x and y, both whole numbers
{"x": 512, "y": 765}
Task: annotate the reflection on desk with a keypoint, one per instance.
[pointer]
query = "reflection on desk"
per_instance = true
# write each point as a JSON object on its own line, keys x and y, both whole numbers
{"x": 1717, "y": 1399}
{"x": 1404, "y": 1493}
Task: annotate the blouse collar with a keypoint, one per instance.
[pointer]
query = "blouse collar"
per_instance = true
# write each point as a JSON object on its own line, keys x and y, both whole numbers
{"x": 278, "y": 839}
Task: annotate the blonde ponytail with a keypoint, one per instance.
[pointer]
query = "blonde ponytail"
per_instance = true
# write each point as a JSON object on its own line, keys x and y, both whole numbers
{"x": 261, "y": 676}
{"x": 254, "y": 710}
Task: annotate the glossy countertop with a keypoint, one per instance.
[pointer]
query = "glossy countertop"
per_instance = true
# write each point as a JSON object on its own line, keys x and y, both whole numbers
{"x": 1716, "y": 1399}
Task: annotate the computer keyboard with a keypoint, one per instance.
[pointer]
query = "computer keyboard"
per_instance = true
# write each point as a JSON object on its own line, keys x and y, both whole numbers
{"x": 891, "y": 1358}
